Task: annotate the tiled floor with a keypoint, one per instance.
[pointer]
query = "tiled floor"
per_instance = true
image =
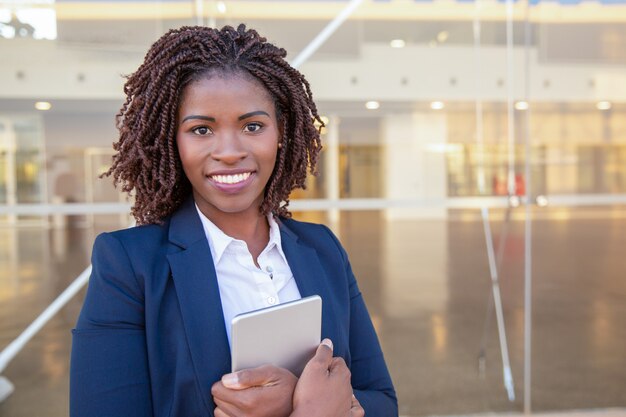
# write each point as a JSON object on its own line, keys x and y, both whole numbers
{"x": 427, "y": 286}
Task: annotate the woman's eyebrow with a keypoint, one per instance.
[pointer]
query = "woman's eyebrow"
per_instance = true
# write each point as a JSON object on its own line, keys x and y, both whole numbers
{"x": 253, "y": 113}
{"x": 194, "y": 116}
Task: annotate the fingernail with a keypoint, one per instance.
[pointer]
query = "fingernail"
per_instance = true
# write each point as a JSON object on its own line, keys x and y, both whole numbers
{"x": 328, "y": 343}
{"x": 230, "y": 380}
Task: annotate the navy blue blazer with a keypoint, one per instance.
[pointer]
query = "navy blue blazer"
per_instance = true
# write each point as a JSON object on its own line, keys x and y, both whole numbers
{"x": 151, "y": 341}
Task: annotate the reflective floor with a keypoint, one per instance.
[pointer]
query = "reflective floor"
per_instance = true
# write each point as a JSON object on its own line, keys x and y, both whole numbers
{"x": 427, "y": 285}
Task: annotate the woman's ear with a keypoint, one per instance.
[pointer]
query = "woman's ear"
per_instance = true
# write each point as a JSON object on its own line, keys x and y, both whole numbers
{"x": 282, "y": 128}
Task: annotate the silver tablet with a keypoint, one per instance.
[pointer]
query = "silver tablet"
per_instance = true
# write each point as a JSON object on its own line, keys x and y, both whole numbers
{"x": 285, "y": 335}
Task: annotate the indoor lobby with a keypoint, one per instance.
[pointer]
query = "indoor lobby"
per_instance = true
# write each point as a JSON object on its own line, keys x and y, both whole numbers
{"x": 473, "y": 167}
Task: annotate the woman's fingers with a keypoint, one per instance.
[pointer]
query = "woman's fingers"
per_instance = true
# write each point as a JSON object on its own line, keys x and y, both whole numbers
{"x": 323, "y": 355}
{"x": 253, "y": 377}
{"x": 324, "y": 388}
{"x": 356, "y": 410}
{"x": 218, "y": 412}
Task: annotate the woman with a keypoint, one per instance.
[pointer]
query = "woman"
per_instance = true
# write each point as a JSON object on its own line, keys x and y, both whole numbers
{"x": 216, "y": 131}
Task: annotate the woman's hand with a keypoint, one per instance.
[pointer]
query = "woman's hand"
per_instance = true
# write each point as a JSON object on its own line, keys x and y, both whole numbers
{"x": 356, "y": 410}
{"x": 324, "y": 388}
{"x": 265, "y": 391}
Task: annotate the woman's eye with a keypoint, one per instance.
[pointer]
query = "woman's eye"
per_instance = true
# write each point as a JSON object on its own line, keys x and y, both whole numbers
{"x": 201, "y": 130}
{"x": 253, "y": 127}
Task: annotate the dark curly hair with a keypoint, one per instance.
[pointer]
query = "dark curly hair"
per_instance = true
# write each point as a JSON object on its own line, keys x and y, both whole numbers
{"x": 147, "y": 163}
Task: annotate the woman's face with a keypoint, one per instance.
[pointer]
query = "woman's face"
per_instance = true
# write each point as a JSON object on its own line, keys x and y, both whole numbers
{"x": 227, "y": 137}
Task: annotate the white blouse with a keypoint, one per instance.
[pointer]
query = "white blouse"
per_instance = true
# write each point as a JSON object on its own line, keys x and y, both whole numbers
{"x": 243, "y": 286}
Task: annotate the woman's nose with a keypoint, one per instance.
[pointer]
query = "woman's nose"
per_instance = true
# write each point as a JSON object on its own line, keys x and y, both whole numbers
{"x": 228, "y": 149}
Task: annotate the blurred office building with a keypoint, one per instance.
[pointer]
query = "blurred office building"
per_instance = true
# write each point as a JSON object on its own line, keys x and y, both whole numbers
{"x": 474, "y": 167}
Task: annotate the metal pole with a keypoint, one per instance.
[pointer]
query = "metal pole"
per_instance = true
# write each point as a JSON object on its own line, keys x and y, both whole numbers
{"x": 11, "y": 166}
{"x": 527, "y": 227}
{"x": 482, "y": 356}
{"x": 480, "y": 135}
{"x": 331, "y": 168}
{"x": 495, "y": 288}
{"x": 199, "y": 12}
{"x": 88, "y": 177}
{"x": 509, "y": 99}
{"x": 325, "y": 33}
{"x": 494, "y": 264}
{"x": 16, "y": 346}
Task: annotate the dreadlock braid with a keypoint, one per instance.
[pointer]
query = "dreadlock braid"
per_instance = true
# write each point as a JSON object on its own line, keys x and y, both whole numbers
{"x": 147, "y": 163}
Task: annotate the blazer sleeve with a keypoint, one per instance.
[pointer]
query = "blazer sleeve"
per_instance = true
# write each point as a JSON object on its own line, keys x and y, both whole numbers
{"x": 371, "y": 381}
{"x": 109, "y": 365}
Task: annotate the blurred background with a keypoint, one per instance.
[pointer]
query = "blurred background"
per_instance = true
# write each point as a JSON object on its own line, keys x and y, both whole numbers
{"x": 474, "y": 167}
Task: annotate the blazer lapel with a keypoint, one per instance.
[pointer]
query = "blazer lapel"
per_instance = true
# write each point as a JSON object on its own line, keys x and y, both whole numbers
{"x": 311, "y": 278}
{"x": 196, "y": 285}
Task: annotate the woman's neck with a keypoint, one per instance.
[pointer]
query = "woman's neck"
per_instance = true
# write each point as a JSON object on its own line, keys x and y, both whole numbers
{"x": 252, "y": 228}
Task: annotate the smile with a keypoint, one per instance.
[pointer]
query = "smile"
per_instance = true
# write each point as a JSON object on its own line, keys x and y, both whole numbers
{"x": 230, "y": 179}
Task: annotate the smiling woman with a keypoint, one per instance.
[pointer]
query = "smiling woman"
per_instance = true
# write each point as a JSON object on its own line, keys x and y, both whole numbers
{"x": 228, "y": 141}
{"x": 149, "y": 164}
{"x": 216, "y": 131}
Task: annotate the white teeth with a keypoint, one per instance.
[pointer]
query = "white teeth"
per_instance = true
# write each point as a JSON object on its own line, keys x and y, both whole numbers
{"x": 230, "y": 179}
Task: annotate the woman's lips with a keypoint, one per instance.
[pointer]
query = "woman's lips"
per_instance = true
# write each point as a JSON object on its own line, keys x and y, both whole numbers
{"x": 231, "y": 183}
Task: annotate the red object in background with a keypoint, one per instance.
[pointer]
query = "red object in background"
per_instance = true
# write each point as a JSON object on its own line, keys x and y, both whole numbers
{"x": 520, "y": 185}
{"x": 500, "y": 185}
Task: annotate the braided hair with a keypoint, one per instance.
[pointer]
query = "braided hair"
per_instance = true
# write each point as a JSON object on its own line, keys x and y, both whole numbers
{"x": 147, "y": 164}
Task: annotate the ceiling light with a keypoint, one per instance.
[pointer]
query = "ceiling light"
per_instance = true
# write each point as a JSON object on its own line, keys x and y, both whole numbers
{"x": 442, "y": 36}
{"x": 444, "y": 147}
{"x": 603, "y": 105}
{"x": 521, "y": 105}
{"x": 43, "y": 105}
{"x": 372, "y": 105}
{"x": 437, "y": 105}
{"x": 397, "y": 43}
{"x": 221, "y": 7}
{"x": 325, "y": 120}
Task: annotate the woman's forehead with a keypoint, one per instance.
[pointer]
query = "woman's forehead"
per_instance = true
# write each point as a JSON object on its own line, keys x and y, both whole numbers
{"x": 235, "y": 78}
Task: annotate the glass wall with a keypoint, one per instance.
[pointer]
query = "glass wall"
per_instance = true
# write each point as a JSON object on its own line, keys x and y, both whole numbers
{"x": 443, "y": 120}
